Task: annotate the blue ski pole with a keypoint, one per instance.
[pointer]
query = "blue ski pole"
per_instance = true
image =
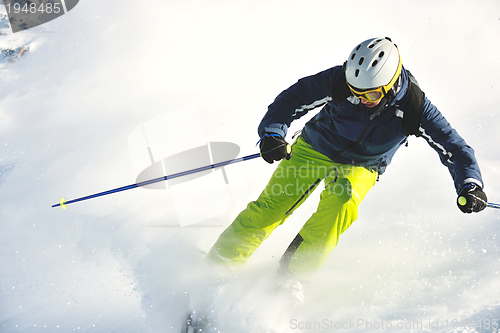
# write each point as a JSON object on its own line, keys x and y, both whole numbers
{"x": 63, "y": 203}
{"x": 493, "y": 205}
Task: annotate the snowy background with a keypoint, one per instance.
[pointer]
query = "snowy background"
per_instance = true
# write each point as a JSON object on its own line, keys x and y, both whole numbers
{"x": 122, "y": 263}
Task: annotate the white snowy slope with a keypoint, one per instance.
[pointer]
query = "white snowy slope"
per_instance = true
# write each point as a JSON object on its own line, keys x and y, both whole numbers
{"x": 121, "y": 263}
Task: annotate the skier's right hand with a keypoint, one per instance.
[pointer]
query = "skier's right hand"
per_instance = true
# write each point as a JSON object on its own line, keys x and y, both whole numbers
{"x": 274, "y": 148}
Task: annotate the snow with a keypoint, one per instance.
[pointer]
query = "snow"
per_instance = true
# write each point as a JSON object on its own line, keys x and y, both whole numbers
{"x": 122, "y": 263}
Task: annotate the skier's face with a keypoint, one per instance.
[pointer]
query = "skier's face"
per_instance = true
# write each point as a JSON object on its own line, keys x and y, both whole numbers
{"x": 368, "y": 103}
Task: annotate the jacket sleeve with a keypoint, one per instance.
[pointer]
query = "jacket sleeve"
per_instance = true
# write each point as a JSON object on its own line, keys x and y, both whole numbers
{"x": 453, "y": 151}
{"x": 305, "y": 95}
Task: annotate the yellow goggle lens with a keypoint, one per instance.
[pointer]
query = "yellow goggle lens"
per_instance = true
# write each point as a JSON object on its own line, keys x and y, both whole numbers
{"x": 372, "y": 96}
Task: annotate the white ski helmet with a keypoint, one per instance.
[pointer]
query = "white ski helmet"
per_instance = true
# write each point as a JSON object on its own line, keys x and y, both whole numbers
{"x": 373, "y": 63}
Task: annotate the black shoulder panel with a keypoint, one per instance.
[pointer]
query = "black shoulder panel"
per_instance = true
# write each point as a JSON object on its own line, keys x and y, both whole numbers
{"x": 341, "y": 90}
{"x": 414, "y": 107}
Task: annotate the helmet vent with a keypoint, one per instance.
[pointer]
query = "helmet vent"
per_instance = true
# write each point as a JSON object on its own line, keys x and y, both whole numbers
{"x": 361, "y": 60}
{"x": 359, "y": 46}
{"x": 381, "y": 54}
{"x": 374, "y": 63}
{"x": 357, "y": 73}
{"x": 374, "y": 43}
{"x": 353, "y": 56}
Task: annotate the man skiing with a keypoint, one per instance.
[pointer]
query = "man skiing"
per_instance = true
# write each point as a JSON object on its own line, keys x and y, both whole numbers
{"x": 371, "y": 105}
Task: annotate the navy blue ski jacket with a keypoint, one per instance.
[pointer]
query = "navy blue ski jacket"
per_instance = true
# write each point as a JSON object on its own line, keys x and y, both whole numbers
{"x": 335, "y": 131}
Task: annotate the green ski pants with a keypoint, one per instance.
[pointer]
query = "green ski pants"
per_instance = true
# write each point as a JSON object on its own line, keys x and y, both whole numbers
{"x": 292, "y": 182}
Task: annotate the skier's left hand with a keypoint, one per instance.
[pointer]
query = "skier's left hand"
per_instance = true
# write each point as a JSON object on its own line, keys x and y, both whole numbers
{"x": 471, "y": 198}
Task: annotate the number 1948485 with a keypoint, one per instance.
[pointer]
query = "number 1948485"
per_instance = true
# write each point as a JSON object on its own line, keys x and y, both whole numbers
{"x": 33, "y": 8}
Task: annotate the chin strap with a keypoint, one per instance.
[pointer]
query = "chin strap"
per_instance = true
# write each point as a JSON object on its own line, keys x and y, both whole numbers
{"x": 391, "y": 94}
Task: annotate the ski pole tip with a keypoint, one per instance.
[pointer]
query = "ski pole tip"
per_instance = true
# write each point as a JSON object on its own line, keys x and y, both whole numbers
{"x": 62, "y": 203}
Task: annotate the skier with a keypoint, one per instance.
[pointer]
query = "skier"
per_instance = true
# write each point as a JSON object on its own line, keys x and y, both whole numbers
{"x": 370, "y": 106}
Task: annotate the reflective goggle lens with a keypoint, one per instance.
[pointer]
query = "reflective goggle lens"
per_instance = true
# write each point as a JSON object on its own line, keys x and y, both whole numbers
{"x": 372, "y": 96}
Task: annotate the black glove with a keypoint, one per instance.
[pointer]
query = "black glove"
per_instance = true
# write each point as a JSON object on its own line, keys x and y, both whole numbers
{"x": 274, "y": 148}
{"x": 471, "y": 198}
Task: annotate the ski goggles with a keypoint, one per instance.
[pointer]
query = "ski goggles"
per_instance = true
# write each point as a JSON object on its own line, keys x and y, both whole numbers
{"x": 372, "y": 95}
